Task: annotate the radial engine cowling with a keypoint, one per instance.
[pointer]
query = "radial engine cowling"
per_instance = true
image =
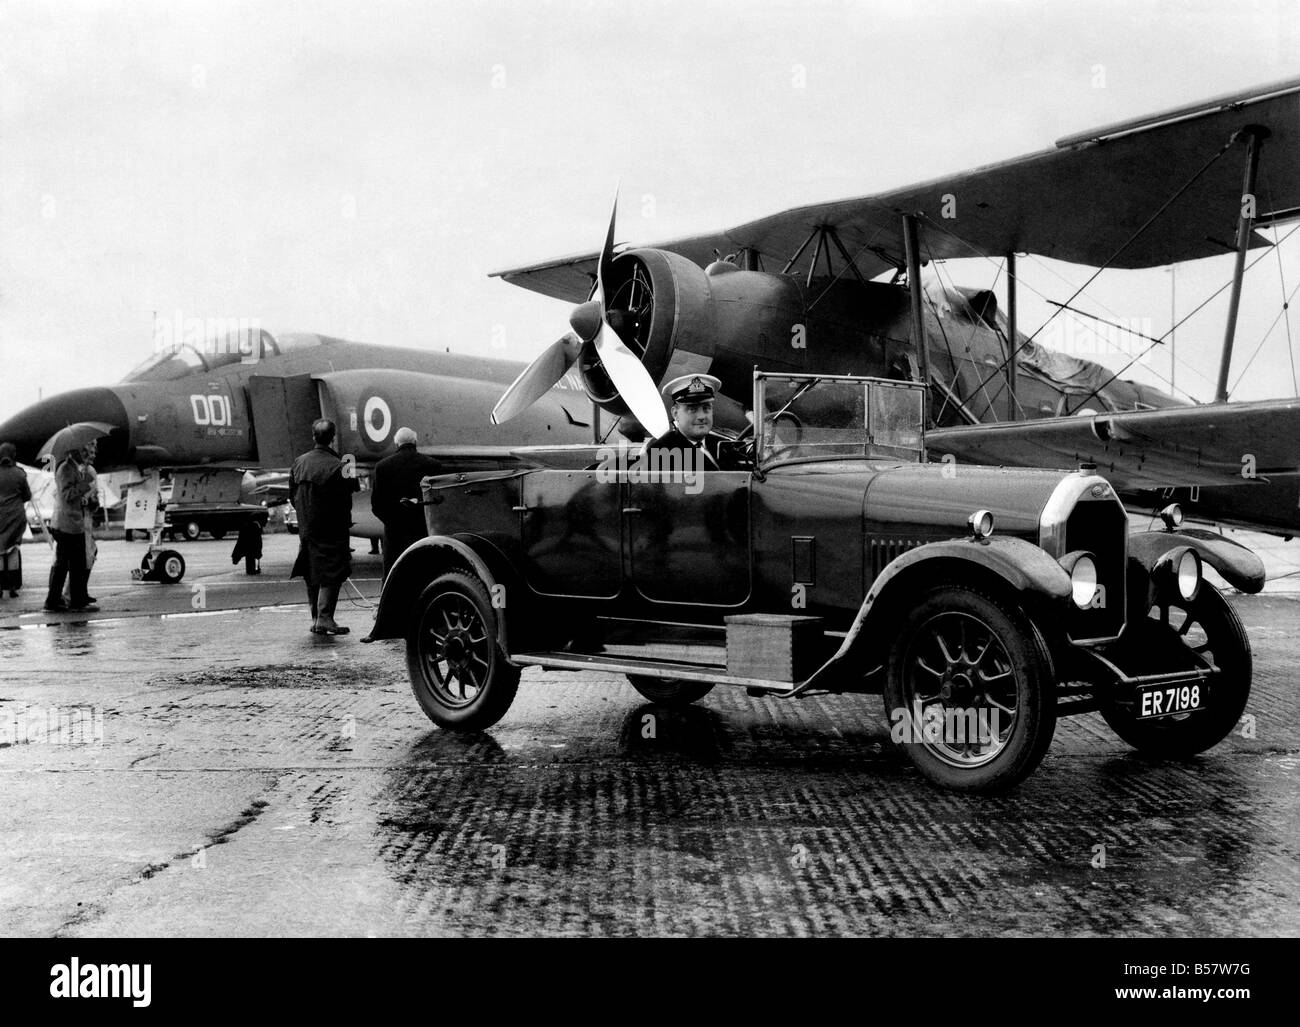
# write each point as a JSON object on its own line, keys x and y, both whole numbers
{"x": 679, "y": 319}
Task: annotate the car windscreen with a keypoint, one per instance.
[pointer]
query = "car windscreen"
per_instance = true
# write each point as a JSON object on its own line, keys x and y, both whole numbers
{"x": 810, "y": 418}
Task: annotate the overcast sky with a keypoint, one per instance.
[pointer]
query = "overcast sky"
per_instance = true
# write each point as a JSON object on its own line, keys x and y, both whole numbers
{"x": 357, "y": 169}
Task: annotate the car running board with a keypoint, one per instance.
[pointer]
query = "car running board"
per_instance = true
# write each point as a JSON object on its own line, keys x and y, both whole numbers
{"x": 652, "y": 668}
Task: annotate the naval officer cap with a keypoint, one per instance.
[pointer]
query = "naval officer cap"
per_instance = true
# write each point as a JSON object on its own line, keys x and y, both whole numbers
{"x": 692, "y": 388}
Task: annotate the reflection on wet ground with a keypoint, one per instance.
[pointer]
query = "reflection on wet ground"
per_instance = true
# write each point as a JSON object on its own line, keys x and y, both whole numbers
{"x": 249, "y": 778}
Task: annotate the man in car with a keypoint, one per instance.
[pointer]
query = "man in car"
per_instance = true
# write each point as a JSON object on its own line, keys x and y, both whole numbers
{"x": 686, "y": 445}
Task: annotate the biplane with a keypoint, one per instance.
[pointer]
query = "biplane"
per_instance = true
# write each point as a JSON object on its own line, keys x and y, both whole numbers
{"x": 838, "y": 288}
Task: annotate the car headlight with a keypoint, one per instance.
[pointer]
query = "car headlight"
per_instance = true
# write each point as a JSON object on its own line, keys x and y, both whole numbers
{"x": 1083, "y": 582}
{"x": 980, "y": 524}
{"x": 1189, "y": 574}
{"x": 1083, "y": 578}
{"x": 1172, "y": 515}
{"x": 1179, "y": 571}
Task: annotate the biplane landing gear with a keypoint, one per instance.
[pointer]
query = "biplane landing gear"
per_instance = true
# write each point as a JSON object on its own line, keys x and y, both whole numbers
{"x": 164, "y": 565}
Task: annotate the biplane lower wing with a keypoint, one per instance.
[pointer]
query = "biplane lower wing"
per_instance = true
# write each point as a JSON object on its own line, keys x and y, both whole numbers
{"x": 1218, "y": 444}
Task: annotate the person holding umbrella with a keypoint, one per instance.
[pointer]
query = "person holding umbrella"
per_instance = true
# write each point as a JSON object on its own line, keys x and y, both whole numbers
{"x": 74, "y": 496}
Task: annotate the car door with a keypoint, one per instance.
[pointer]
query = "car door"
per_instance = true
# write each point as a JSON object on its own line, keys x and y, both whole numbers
{"x": 571, "y": 533}
{"x": 688, "y": 536}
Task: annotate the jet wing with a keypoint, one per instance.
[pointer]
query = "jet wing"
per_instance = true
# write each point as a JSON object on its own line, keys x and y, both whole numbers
{"x": 1214, "y": 444}
{"x": 1080, "y": 201}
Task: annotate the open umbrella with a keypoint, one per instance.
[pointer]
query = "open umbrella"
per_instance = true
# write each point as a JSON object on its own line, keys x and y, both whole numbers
{"x": 74, "y": 436}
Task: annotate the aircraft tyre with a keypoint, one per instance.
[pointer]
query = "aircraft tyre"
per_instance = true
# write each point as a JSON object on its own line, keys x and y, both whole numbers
{"x": 1210, "y": 627}
{"x": 169, "y": 567}
{"x": 983, "y": 664}
{"x": 458, "y": 671}
{"x": 670, "y": 691}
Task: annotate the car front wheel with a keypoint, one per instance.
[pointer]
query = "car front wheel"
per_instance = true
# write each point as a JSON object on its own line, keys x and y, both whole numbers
{"x": 458, "y": 671}
{"x": 1210, "y": 628}
{"x": 969, "y": 691}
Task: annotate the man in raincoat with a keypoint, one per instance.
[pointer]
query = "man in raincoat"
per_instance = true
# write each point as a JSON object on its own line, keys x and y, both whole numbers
{"x": 321, "y": 492}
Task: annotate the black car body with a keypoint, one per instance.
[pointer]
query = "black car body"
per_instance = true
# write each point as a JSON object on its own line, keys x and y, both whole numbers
{"x": 981, "y": 602}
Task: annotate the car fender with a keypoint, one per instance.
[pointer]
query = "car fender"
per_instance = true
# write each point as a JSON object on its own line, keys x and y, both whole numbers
{"x": 1240, "y": 568}
{"x": 1019, "y": 564}
{"x": 423, "y": 562}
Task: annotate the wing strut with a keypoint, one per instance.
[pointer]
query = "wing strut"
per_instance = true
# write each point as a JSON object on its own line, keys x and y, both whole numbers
{"x": 1255, "y": 136}
{"x": 911, "y": 240}
{"x": 1011, "y": 336}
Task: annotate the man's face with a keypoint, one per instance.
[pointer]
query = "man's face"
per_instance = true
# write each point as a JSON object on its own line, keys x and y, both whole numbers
{"x": 694, "y": 420}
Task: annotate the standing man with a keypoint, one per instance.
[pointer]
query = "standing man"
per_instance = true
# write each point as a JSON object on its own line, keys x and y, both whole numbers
{"x": 74, "y": 500}
{"x": 683, "y": 446}
{"x": 322, "y": 496}
{"x": 398, "y": 477}
{"x": 15, "y": 493}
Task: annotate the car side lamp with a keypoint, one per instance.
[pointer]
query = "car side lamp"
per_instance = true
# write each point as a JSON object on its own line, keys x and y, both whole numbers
{"x": 1172, "y": 515}
{"x": 980, "y": 524}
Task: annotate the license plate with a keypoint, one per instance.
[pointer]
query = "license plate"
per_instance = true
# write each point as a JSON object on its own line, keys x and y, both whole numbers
{"x": 1156, "y": 701}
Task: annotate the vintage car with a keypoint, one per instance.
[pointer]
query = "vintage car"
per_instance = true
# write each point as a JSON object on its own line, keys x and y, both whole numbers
{"x": 828, "y": 556}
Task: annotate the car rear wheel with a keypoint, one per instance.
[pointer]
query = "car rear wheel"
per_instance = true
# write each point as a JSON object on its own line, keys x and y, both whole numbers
{"x": 459, "y": 673}
{"x": 217, "y": 533}
{"x": 970, "y": 691}
{"x": 670, "y": 691}
{"x": 1209, "y": 627}
{"x": 191, "y": 530}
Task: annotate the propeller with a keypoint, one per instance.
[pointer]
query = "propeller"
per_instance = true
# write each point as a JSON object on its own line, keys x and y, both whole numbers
{"x": 625, "y": 370}
{"x": 536, "y": 380}
{"x": 591, "y": 327}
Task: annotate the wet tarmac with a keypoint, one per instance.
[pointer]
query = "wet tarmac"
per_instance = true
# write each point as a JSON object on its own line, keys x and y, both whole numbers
{"x": 169, "y": 770}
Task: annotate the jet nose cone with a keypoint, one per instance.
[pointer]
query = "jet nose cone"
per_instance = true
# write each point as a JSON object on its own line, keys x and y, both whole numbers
{"x": 29, "y": 429}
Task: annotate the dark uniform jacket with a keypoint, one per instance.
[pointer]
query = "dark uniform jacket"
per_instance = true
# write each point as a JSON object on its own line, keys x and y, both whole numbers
{"x": 673, "y": 448}
{"x": 322, "y": 496}
{"x": 395, "y": 478}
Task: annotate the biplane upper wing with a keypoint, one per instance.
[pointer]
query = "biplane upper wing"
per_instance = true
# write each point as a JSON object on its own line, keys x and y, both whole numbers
{"x": 1084, "y": 200}
{"x": 1214, "y": 444}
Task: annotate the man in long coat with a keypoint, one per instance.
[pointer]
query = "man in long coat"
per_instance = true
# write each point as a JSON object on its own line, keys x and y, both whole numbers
{"x": 398, "y": 477}
{"x": 14, "y": 496}
{"x": 321, "y": 493}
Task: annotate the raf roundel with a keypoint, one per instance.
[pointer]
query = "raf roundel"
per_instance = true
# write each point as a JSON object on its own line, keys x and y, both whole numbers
{"x": 378, "y": 419}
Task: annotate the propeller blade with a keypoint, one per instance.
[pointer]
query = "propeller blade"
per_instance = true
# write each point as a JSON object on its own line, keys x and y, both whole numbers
{"x": 632, "y": 380}
{"x": 606, "y": 252}
{"x": 537, "y": 379}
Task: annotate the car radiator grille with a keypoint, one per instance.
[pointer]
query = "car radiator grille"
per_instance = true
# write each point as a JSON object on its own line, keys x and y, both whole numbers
{"x": 1101, "y": 528}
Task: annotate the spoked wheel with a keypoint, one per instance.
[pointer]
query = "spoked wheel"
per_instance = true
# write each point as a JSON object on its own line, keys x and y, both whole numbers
{"x": 670, "y": 691}
{"x": 459, "y": 674}
{"x": 1209, "y": 627}
{"x": 970, "y": 691}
